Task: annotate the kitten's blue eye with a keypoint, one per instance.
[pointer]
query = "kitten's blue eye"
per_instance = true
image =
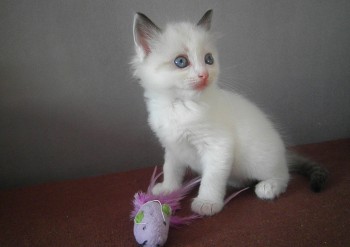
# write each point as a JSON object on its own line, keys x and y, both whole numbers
{"x": 209, "y": 59}
{"x": 181, "y": 62}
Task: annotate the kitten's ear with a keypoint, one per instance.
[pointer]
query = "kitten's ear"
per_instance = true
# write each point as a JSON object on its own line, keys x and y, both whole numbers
{"x": 144, "y": 31}
{"x": 205, "y": 21}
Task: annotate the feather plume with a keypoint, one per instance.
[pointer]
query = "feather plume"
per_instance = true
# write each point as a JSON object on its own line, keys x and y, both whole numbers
{"x": 172, "y": 199}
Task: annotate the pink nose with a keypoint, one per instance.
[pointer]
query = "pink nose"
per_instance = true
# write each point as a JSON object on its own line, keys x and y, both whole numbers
{"x": 203, "y": 75}
{"x": 203, "y": 81}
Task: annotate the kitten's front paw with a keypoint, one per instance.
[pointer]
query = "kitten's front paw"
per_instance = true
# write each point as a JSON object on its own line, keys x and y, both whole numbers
{"x": 206, "y": 207}
{"x": 160, "y": 188}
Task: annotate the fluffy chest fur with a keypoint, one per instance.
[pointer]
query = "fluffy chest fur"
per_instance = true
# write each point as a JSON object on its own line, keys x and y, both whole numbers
{"x": 180, "y": 126}
{"x": 176, "y": 121}
{"x": 189, "y": 128}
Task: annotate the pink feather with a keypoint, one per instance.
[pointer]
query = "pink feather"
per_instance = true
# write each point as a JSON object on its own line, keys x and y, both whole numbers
{"x": 172, "y": 199}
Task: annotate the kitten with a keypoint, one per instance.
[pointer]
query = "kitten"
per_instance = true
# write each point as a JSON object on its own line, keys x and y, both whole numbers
{"x": 219, "y": 134}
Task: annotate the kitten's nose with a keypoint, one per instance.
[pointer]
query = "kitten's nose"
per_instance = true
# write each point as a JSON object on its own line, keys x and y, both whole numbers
{"x": 203, "y": 80}
{"x": 203, "y": 75}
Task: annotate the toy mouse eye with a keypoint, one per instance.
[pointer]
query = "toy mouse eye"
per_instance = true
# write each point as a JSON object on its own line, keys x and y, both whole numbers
{"x": 209, "y": 59}
{"x": 181, "y": 62}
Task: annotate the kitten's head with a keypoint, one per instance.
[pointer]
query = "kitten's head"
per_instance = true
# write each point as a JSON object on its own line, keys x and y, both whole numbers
{"x": 179, "y": 61}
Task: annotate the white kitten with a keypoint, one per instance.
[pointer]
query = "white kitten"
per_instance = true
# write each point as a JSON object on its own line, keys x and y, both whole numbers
{"x": 219, "y": 134}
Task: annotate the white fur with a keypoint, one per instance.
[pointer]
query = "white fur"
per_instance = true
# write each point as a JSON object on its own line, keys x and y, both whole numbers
{"x": 219, "y": 134}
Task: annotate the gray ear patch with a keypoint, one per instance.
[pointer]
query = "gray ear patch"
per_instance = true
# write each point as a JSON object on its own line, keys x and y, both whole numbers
{"x": 205, "y": 21}
{"x": 144, "y": 31}
{"x": 146, "y": 24}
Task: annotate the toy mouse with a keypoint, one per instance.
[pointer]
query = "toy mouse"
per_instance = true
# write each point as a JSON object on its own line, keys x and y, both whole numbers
{"x": 154, "y": 214}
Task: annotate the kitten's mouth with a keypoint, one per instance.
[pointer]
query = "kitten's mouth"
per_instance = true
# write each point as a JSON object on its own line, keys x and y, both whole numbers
{"x": 202, "y": 84}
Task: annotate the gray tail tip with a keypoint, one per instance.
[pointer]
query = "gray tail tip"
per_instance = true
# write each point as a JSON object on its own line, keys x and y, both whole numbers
{"x": 318, "y": 181}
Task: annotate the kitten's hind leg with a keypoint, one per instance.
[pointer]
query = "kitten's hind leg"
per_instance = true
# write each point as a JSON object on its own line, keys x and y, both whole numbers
{"x": 271, "y": 188}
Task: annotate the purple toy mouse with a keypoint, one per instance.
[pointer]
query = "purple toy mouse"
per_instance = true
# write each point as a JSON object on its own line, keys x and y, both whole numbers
{"x": 152, "y": 224}
{"x": 154, "y": 214}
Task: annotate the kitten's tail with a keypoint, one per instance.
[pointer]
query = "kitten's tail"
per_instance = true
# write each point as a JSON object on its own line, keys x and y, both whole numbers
{"x": 313, "y": 171}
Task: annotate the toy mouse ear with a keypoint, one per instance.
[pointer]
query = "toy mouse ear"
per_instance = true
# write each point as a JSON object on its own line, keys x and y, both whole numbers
{"x": 144, "y": 32}
{"x": 205, "y": 21}
{"x": 139, "y": 217}
{"x": 166, "y": 209}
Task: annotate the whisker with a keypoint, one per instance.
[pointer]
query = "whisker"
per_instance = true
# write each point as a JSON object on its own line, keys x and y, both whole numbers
{"x": 237, "y": 85}
{"x": 234, "y": 66}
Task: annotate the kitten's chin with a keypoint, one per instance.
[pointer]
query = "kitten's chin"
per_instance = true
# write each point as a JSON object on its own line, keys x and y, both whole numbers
{"x": 201, "y": 85}
{"x": 195, "y": 90}
{"x": 186, "y": 92}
